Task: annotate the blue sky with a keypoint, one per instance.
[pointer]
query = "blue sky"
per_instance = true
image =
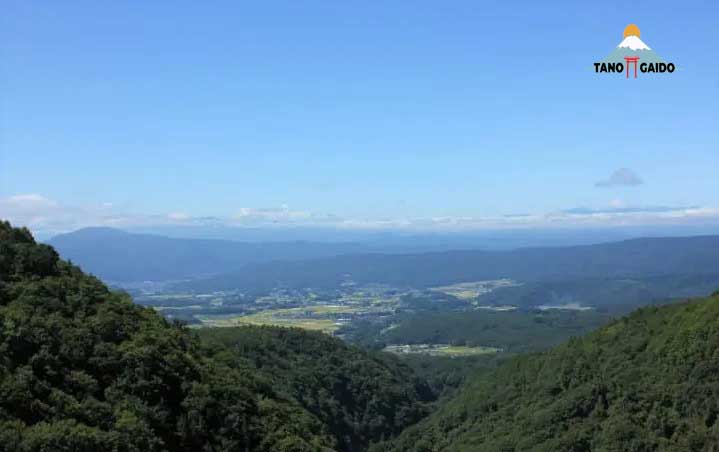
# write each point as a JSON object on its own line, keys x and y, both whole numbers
{"x": 355, "y": 114}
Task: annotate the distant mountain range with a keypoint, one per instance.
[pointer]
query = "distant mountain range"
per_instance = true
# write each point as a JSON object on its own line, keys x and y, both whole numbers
{"x": 119, "y": 256}
{"x": 390, "y": 241}
{"x": 631, "y": 258}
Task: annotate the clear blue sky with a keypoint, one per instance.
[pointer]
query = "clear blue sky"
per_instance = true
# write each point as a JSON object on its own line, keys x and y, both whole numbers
{"x": 360, "y": 110}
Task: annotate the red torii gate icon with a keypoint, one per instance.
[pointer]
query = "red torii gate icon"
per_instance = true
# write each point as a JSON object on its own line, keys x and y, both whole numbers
{"x": 631, "y": 59}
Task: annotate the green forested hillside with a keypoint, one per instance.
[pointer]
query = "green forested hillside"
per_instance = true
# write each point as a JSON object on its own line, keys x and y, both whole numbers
{"x": 83, "y": 369}
{"x": 646, "y": 382}
{"x": 359, "y": 396}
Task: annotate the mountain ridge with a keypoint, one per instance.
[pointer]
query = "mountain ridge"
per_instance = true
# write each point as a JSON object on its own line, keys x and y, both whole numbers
{"x": 644, "y": 257}
{"x": 119, "y": 256}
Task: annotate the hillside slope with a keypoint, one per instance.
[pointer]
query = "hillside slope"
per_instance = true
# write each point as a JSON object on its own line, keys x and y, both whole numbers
{"x": 361, "y": 398}
{"x": 84, "y": 369}
{"x": 647, "y": 382}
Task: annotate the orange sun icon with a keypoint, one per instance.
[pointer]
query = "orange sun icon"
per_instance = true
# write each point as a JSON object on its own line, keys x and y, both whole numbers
{"x": 632, "y": 30}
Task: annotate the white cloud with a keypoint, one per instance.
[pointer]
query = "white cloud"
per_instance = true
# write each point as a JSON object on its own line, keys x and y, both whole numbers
{"x": 32, "y": 210}
{"x": 28, "y": 199}
{"x": 178, "y": 216}
{"x": 47, "y": 217}
{"x": 283, "y": 215}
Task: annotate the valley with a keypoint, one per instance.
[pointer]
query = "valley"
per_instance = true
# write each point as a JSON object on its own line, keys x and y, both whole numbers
{"x": 353, "y": 366}
{"x": 455, "y": 321}
{"x": 359, "y": 226}
{"x": 340, "y": 312}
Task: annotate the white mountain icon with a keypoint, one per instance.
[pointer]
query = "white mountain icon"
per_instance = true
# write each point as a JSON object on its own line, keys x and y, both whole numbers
{"x": 632, "y": 46}
{"x": 634, "y": 43}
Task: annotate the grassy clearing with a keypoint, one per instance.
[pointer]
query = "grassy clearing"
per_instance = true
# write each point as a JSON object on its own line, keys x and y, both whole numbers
{"x": 324, "y": 325}
{"x": 441, "y": 350}
{"x": 467, "y": 351}
{"x": 471, "y": 290}
{"x": 173, "y": 296}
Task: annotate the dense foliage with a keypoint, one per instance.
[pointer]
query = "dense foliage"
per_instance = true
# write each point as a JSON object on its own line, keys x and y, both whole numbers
{"x": 361, "y": 397}
{"x": 513, "y": 332}
{"x": 646, "y": 382}
{"x": 445, "y": 374}
{"x": 83, "y": 369}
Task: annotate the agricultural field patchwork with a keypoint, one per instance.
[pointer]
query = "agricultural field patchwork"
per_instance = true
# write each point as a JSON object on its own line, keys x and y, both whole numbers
{"x": 326, "y": 318}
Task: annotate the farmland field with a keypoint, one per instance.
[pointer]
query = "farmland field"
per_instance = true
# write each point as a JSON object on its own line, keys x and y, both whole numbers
{"x": 441, "y": 350}
{"x": 471, "y": 290}
{"x": 316, "y": 317}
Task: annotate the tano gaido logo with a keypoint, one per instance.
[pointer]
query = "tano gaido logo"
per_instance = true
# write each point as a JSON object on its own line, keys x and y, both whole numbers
{"x": 632, "y": 55}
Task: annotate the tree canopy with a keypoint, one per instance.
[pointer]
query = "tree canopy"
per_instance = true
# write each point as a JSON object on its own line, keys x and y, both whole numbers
{"x": 82, "y": 368}
{"x": 646, "y": 382}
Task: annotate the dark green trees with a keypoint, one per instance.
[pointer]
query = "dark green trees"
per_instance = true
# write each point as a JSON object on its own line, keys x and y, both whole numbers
{"x": 647, "y": 382}
{"x": 361, "y": 397}
{"x": 85, "y": 369}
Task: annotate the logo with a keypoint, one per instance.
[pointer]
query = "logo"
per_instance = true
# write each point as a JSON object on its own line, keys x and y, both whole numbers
{"x": 632, "y": 55}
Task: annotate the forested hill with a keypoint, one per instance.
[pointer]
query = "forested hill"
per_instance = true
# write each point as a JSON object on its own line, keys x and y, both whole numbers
{"x": 647, "y": 382}
{"x": 84, "y": 369}
{"x": 361, "y": 398}
{"x": 630, "y": 258}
